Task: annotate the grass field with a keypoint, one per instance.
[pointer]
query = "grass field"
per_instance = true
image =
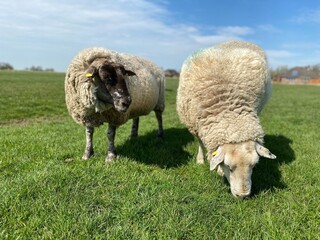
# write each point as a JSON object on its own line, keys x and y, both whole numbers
{"x": 155, "y": 190}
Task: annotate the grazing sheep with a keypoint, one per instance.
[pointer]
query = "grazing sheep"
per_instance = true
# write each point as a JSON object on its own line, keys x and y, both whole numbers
{"x": 106, "y": 86}
{"x": 221, "y": 91}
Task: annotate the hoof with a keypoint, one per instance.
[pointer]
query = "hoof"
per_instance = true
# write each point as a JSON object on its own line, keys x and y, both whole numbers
{"x": 87, "y": 155}
{"x": 110, "y": 157}
{"x": 134, "y": 135}
{"x": 160, "y": 135}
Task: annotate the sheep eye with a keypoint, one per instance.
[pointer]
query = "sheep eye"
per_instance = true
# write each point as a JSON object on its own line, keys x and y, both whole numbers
{"x": 231, "y": 169}
{"x": 110, "y": 81}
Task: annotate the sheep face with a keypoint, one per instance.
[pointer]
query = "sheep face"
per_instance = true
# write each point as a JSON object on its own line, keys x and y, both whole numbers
{"x": 113, "y": 76}
{"x": 236, "y": 162}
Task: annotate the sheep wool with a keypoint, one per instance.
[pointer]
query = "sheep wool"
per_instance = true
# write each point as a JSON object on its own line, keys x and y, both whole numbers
{"x": 146, "y": 89}
{"x": 221, "y": 91}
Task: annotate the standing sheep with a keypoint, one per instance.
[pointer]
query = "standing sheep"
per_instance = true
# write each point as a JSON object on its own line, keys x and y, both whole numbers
{"x": 105, "y": 86}
{"x": 222, "y": 90}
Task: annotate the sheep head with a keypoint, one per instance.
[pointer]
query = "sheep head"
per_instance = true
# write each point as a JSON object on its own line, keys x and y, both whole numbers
{"x": 236, "y": 162}
{"x": 112, "y": 80}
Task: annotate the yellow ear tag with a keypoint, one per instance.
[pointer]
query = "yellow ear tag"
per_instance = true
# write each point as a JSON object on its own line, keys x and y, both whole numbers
{"x": 88, "y": 75}
{"x": 214, "y": 153}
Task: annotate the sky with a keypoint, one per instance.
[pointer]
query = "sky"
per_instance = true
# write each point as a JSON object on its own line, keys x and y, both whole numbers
{"x": 49, "y": 33}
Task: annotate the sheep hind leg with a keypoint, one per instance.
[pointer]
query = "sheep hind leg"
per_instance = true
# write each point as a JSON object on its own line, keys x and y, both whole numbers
{"x": 88, "y": 152}
{"x": 135, "y": 127}
{"x": 200, "y": 155}
{"x": 160, "y": 127}
{"x": 111, "y": 155}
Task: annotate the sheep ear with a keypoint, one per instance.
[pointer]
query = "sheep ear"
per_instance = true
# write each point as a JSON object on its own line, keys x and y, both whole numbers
{"x": 91, "y": 71}
{"x": 130, "y": 73}
{"x": 264, "y": 152}
{"x": 217, "y": 158}
{"x": 124, "y": 71}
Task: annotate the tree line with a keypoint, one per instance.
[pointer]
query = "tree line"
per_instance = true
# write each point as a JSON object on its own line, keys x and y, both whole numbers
{"x": 312, "y": 72}
{"x": 8, "y": 66}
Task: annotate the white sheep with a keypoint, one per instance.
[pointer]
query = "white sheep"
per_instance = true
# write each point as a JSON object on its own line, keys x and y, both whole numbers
{"x": 222, "y": 89}
{"x": 105, "y": 86}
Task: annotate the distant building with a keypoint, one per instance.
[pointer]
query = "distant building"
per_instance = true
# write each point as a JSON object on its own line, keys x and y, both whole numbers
{"x": 314, "y": 81}
{"x": 298, "y": 75}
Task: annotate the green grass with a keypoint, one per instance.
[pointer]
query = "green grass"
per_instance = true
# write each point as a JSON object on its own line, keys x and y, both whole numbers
{"x": 155, "y": 190}
{"x": 31, "y": 95}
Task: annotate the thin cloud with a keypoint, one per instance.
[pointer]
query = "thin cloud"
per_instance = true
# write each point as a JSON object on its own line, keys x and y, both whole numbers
{"x": 138, "y": 27}
{"x": 222, "y": 34}
{"x": 78, "y": 24}
{"x": 279, "y": 53}
{"x": 281, "y": 58}
{"x": 268, "y": 28}
{"x": 235, "y": 31}
{"x": 213, "y": 39}
{"x": 59, "y": 16}
{"x": 308, "y": 16}
{"x": 301, "y": 46}
{"x": 51, "y": 32}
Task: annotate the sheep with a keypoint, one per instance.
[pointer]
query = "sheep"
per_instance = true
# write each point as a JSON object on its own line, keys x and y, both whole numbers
{"x": 221, "y": 91}
{"x": 102, "y": 85}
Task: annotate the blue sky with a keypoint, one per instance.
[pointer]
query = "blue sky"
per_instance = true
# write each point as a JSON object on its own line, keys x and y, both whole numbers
{"x": 49, "y": 33}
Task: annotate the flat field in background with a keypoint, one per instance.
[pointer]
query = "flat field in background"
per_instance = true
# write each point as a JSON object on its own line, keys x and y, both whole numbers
{"x": 155, "y": 190}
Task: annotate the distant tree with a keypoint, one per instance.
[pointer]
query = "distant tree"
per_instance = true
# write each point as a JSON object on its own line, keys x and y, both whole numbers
{"x": 49, "y": 70}
{"x": 36, "y": 68}
{"x": 277, "y": 73}
{"x": 315, "y": 71}
{"x": 305, "y": 72}
{"x": 5, "y": 66}
{"x": 171, "y": 73}
{"x": 39, "y": 69}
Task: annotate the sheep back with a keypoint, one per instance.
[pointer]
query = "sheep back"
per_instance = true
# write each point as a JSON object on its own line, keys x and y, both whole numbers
{"x": 221, "y": 91}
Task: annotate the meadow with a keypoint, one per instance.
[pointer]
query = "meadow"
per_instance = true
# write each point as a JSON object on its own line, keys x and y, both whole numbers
{"x": 154, "y": 190}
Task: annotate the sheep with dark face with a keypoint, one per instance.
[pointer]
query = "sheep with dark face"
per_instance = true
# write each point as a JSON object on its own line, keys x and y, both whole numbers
{"x": 106, "y": 86}
{"x": 222, "y": 89}
{"x": 110, "y": 77}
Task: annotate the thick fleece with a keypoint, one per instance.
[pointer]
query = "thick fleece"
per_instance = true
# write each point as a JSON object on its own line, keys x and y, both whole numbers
{"x": 146, "y": 89}
{"x": 221, "y": 91}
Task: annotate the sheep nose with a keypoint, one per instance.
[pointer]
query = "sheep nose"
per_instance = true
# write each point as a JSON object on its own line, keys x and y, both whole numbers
{"x": 242, "y": 196}
{"x": 126, "y": 102}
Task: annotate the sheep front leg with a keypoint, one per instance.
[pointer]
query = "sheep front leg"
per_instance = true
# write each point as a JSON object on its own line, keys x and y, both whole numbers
{"x": 200, "y": 156}
{"x": 160, "y": 127}
{"x": 88, "y": 152}
{"x": 135, "y": 127}
{"x": 111, "y": 149}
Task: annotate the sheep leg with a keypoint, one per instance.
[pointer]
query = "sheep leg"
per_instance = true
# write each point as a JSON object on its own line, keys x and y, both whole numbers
{"x": 135, "y": 127}
{"x": 88, "y": 152}
{"x": 160, "y": 127}
{"x": 200, "y": 155}
{"x": 111, "y": 149}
